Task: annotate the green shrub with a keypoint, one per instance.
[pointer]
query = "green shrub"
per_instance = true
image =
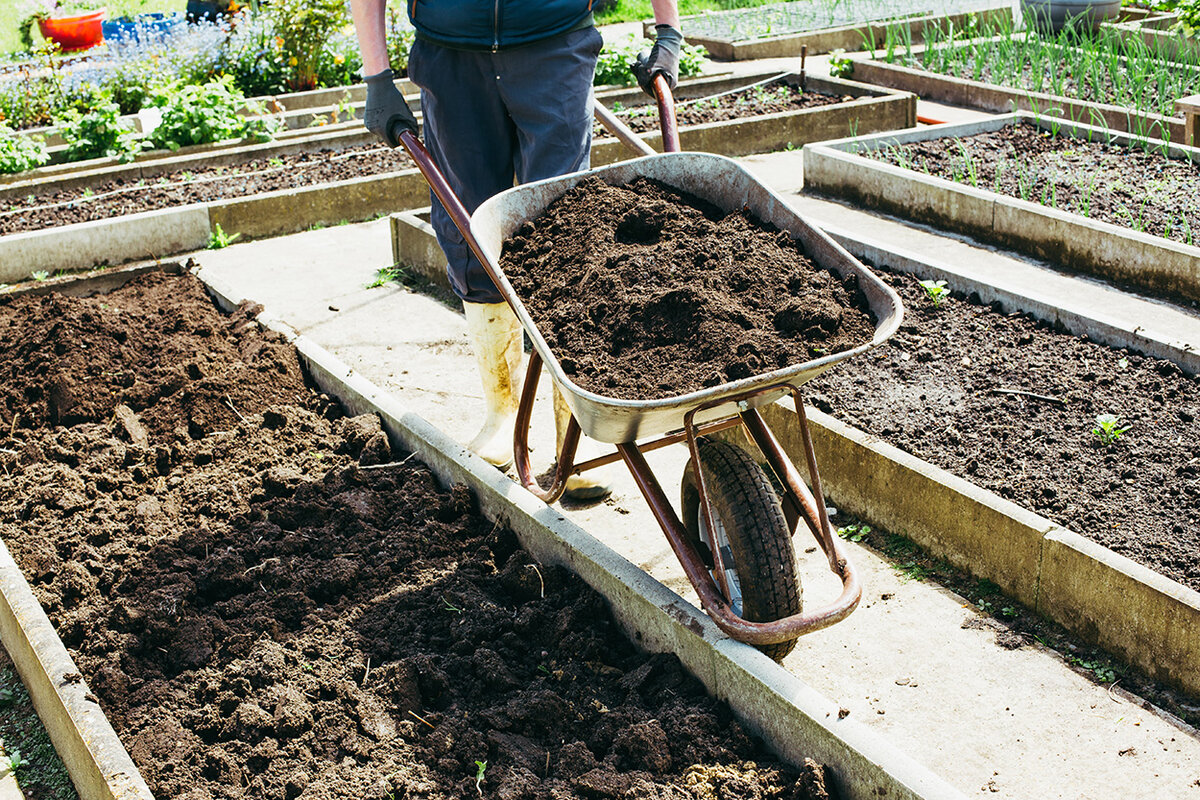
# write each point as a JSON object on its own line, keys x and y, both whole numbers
{"x": 400, "y": 38}
{"x": 98, "y": 133}
{"x": 303, "y": 28}
{"x": 19, "y": 153}
{"x": 208, "y": 113}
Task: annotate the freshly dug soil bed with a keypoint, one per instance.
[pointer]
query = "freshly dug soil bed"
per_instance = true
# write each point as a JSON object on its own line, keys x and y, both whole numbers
{"x": 770, "y": 98}
{"x": 1132, "y": 187}
{"x": 934, "y": 390}
{"x": 119, "y": 197}
{"x": 643, "y": 291}
{"x": 264, "y": 611}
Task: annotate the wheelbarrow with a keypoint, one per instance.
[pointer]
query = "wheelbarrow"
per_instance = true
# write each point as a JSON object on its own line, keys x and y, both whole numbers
{"x": 734, "y": 540}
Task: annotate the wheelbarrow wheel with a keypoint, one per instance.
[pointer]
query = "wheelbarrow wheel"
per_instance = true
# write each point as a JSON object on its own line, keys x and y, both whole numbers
{"x": 752, "y": 536}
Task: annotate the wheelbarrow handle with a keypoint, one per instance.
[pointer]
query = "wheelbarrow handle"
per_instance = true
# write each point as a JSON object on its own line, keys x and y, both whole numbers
{"x": 446, "y": 196}
{"x": 666, "y": 114}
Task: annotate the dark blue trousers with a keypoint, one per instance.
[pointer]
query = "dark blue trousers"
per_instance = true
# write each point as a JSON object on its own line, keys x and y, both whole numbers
{"x": 524, "y": 113}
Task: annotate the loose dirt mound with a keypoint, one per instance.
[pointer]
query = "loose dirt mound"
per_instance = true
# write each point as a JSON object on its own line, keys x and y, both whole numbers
{"x": 263, "y": 613}
{"x": 645, "y": 292}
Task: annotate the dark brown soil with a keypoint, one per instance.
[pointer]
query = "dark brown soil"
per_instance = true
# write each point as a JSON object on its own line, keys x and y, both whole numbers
{"x": 265, "y": 612}
{"x": 646, "y": 292}
{"x": 115, "y": 198}
{"x": 933, "y": 390}
{"x": 771, "y": 98}
{"x": 1136, "y": 188}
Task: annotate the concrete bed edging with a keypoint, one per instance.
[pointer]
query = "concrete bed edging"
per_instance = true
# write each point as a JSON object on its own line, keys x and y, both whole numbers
{"x": 852, "y": 38}
{"x": 793, "y": 719}
{"x": 166, "y": 232}
{"x": 1099, "y": 248}
{"x": 1147, "y": 619}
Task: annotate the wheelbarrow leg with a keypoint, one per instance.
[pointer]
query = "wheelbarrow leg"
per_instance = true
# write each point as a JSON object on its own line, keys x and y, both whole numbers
{"x": 566, "y": 459}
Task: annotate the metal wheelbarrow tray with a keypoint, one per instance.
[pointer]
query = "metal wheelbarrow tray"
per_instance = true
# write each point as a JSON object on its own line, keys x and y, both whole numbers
{"x": 734, "y": 539}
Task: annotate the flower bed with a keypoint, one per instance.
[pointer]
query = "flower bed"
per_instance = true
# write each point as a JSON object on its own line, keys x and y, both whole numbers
{"x": 262, "y": 610}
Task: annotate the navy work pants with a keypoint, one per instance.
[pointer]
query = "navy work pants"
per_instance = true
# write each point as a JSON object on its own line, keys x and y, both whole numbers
{"x": 490, "y": 117}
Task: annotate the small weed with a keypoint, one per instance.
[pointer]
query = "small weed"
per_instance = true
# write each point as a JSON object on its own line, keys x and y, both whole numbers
{"x": 1108, "y": 428}
{"x": 480, "y": 768}
{"x": 1101, "y": 671}
{"x": 840, "y": 65}
{"x": 218, "y": 239}
{"x": 912, "y": 570}
{"x": 274, "y": 162}
{"x": 39, "y": 275}
{"x": 936, "y": 291}
{"x": 6, "y": 696}
{"x": 855, "y": 532}
{"x": 450, "y": 606}
{"x": 394, "y": 274}
{"x": 1010, "y": 612}
{"x": 16, "y": 760}
{"x": 186, "y": 176}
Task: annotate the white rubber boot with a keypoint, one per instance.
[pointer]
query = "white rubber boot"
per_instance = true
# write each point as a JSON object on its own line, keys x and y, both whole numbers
{"x": 591, "y": 484}
{"x": 495, "y": 336}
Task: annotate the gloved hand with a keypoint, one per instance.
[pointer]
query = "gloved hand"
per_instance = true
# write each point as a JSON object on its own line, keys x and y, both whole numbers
{"x": 387, "y": 114}
{"x": 663, "y": 59}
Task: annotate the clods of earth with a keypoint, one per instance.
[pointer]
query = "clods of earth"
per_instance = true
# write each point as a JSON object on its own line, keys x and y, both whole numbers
{"x": 1011, "y": 404}
{"x": 643, "y": 291}
{"x": 269, "y": 603}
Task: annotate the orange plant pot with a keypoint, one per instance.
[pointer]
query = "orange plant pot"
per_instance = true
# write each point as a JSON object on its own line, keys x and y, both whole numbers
{"x": 74, "y": 33}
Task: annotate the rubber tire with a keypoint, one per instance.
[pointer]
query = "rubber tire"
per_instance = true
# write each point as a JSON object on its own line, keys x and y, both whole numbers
{"x": 746, "y": 505}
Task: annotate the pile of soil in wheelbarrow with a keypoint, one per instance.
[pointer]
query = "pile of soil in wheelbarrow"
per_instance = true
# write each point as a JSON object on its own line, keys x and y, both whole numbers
{"x": 644, "y": 291}
{"x": 268, "y": 603}
{"x": 1009, "y": 403}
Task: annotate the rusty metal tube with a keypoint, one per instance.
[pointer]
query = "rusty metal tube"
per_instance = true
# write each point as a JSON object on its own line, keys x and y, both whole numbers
{"x": 564, "y": 465}
{"x": 666, "y": 114}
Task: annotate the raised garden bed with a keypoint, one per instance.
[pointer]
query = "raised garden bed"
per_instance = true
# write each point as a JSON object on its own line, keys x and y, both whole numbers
{"x": 262, "y": 610}
{"x": 784, "y": 29}
{"x": 1082, "y": 169}
{"x": 354, "y": 611}
{"x": 1109, "y": 80}
{"x": 122, "y": 229}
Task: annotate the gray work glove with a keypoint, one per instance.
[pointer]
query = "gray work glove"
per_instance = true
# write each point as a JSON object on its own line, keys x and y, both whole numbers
{"x": 387, "y": 114}
{"x": 663, "y": 59}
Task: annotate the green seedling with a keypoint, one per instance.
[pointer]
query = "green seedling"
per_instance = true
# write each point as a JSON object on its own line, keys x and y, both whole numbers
{"x": 911, "y": 571}
{"x": 936, "y": 291}
{"x": 855, "y": 532}
{"x": 1108, "y": 428}
{"x": 39, "y": 275}
{"x": 450, "y": 606}
{"x": 480, "y": 768}
{"x": 1102, "y": 672}
{"x": 218, "y": 239}
{"x": 840, "y": 65}
{"x": 16, "y": 760}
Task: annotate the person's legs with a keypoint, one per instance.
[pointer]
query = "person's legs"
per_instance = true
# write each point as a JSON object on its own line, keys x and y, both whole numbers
{"x": 472, "y": 140}
{"x": 547, "y": 90}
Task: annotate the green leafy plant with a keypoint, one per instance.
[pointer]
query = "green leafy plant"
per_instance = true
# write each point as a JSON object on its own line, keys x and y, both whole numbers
{"x": 394, "y": 274}
{"x": 98, "y": 133}
{"x": 936, "y": 291}
{"x": 304, "y": 27}
{"x": 200, "y": 114}
{"x": 1108, "y": 428}
{"x": 615, "y": 64}
{"x": 19, "y": 153}
{"x": 480, "y": 769}
{"x": 39, "y": 275}
{"x": 840, "y": 65}
{"x": 218, "y": 239}
{"x": 855, "y": 532}
{"x": 16, "y": 760}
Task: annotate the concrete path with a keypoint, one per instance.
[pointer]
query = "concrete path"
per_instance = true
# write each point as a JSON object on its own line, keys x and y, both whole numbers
{"x": 998, "y": 722}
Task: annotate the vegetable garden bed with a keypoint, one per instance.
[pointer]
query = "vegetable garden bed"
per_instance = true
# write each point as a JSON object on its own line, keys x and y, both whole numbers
{"x": 1109, "y": 80}
{"x": 783, "y": 29}
{"x": 261, "y": 611}
{"x": 1145, "y": 186}
{"x": 113, "y": 224}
